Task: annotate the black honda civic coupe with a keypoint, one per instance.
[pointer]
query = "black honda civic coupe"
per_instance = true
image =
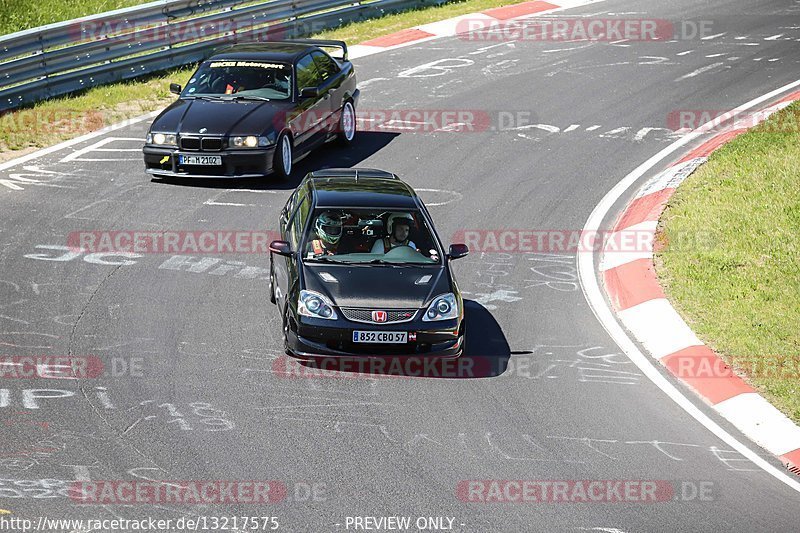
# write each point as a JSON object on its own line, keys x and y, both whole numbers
{"x": 360, "y": 270}
{"x": 253, "y": 109}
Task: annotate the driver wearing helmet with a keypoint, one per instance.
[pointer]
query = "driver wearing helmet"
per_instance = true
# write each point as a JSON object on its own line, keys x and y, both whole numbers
{"x": 399, "y": 226}
{"x": 328, "y": 227}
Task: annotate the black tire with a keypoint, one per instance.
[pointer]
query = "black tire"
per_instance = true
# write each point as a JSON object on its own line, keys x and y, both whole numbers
{"x": 281, "y": 165}
{"x": 271, "y": 283}
{"x": 347, "y": 125}
{"x": 285, "y": 327}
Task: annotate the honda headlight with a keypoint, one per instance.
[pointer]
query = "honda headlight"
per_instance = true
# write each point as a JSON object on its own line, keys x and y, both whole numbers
{"x": 443, "y": 307}
{"x": 163, "y": 139}
{"x": 315, "y": 305}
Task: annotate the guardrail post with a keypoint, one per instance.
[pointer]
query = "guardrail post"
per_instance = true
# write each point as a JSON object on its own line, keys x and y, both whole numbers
{"x": 43, "y": 62}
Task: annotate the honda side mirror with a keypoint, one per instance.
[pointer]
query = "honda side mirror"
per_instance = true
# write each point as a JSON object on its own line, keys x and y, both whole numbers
{"x": 457, "y": 251}
{"x": 281, "y": 248}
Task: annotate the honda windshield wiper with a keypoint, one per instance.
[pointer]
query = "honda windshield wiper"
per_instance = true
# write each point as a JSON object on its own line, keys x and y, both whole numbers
{"x": 385, "y": 262}
{"x": 324, "y": 259}
{"x": 203, "y": 97}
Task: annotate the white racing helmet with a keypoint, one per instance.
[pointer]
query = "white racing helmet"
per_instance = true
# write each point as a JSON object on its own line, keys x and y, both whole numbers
{"x": 403, "y": 218}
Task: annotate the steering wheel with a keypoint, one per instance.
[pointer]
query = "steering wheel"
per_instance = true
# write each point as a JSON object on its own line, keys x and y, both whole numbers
{"x": 402, "y": 250}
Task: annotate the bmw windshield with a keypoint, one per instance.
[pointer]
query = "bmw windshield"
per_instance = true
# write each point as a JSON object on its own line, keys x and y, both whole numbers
{"x": 231, "y": 79}
{"x": 367, "y": 236}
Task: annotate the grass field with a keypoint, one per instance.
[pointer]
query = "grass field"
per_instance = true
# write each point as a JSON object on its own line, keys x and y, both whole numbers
{"x": 741, "y": 294}
{"x": 21, "y": 15}
{"x": 63, "y": 118}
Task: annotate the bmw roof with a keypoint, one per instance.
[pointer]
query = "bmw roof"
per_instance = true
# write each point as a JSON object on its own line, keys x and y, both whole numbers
{"x": 275, "y": 51}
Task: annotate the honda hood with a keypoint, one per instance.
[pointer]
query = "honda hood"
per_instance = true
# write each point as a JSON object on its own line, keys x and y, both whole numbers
{"x": 377, "y": 286}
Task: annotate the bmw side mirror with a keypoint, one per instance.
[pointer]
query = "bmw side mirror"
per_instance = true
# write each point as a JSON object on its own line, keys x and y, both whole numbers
{"x": 457, "y": 251}
{"x": 175, "y": 88}
{"x": 281, "y": 248}
{"x": 309, "y": 92}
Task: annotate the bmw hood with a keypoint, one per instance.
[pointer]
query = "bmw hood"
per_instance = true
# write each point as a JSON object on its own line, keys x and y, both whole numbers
{"x": 377, "y": 287}
{"x": 218, "y": 117}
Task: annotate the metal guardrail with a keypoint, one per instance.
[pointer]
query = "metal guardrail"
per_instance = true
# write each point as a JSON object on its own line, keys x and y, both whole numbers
{"x": 57, "y": 59}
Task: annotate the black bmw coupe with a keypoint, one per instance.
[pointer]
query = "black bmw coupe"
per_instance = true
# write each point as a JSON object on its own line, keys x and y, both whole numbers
{"x": 360, "y": 270}
{"x": 253, "y": 109}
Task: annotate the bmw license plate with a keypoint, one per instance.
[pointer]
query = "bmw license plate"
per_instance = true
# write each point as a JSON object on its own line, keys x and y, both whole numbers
{"x": 203, "y": 160}
{"x": 381, "y": 337}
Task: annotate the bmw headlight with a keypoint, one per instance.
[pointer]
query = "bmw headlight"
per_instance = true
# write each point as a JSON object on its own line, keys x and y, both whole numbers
{"x": 443, "y": 307}
{"x": 163, "y": 139}
{"x": 315, "y": 305}
{"x": 250, "y": 141}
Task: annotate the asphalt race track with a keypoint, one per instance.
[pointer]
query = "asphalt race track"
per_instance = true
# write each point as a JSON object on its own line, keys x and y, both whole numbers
{"x": 203, "y": 400}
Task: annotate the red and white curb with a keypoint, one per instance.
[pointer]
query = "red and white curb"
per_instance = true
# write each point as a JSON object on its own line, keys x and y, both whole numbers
{"x": 451, "y": 27}
{"x": 640, "y": 304}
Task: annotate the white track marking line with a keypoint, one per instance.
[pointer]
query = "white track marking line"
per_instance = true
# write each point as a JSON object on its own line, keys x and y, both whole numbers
{"x": 370, "y": 81}
{"x": 77, "y": 153}
{"x": 72, "y": 142}
{"x": 594, "y": 295}
{"x": 11, "y": 185}
{"x": 228, "y": 204}
{"x": 699, "y": 71}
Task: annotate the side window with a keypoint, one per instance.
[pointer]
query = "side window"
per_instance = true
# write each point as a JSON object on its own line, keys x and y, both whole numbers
{"x": 307, "y": 75}
{"x": 326, "y": 66}
{"x": 298, "y": 223}
{"x": 289, "y": 207}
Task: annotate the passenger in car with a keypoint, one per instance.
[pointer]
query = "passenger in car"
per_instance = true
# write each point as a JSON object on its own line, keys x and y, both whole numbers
{"x": 399, "y": 230}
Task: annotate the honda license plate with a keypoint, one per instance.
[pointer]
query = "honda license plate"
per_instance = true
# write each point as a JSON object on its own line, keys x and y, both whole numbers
{"x": 381, "y": 337}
